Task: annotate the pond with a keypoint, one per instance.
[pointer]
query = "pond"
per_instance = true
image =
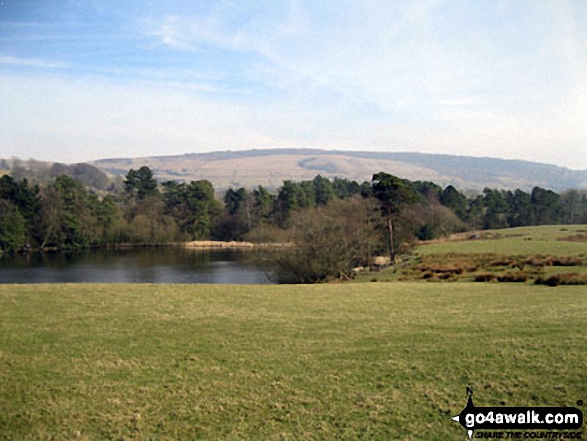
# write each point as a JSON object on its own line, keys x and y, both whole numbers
{"x": 139, "y": 265}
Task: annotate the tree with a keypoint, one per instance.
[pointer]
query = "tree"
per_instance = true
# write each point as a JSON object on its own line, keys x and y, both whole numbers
{"x": 49, "y": 230}
{"x": 392, "y": 194}
{"x": 237, "y": 219}
{"x": 429, "y": 220}
{"x": 575, "y": 207}
{"x": 78, "y": 220}
{"x": 235, "y": 201}
{"x": 366, "y": 190}
{"x": 454, "y": 200}
{"x": 150, "y": 224}
{"x": 496, "y": 209}
{"x": 428, "y": 190}
{"x": 291, "y": 197}
{"x": 330, "y": 240}
{"x": 193, "y": 207}
{"x": 110, "y": 220}
{"x": 521, "y": 212}
{"x": 12, "y": 226}
{"x": 140, "y": 183}
{"x": 203, "y": 208}
{"x": 323, "y": 190}
{"x": 343, "y": 188}
{"x": 26, "y": 199}
{"x": 547, "y": 206}
{"x": 262, "y": 205}
{"x": 475, "y": 211}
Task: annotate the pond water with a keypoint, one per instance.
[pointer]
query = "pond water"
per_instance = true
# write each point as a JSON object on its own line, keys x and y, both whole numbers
{"x": 143, "y": 265}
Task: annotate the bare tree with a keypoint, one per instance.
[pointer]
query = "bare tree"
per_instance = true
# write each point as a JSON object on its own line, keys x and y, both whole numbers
{"x": 330, "y": 240}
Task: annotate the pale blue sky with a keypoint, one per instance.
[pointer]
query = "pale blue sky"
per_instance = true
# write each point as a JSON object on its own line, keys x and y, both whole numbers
{"x": 89, "y": 79}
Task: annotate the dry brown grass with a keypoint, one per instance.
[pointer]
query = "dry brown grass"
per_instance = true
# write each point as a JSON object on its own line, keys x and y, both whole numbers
{"x": 485, "y": 277}
{"x": 541, "y": 261}
{"x": 563, "y": 279}
{"x": 575, "y": 238}
{"x": 517, "y": 277}
{"x": 484, "y": 267}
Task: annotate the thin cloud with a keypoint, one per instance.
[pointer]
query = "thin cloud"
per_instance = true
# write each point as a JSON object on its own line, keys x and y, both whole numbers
{"x": 458, "y": 102}
{"x": 449, "y": 77}
{"x": 33, "y": 62}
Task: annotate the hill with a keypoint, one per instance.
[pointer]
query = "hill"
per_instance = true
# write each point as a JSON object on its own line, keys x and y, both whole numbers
{"x": 43, "y": 172}
{"x": 271, "y": 167}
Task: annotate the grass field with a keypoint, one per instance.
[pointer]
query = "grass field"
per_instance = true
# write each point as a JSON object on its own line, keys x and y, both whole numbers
{"x": 338, "y": 361}
{"x": 526, "y": 254}
{"x": 548, "y": 239}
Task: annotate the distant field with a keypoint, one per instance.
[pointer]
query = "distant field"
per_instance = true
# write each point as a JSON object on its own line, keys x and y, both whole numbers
{"x": 526, "y": 254}
{"x": 340, "y": 361}
{"x": 520, "y": 241}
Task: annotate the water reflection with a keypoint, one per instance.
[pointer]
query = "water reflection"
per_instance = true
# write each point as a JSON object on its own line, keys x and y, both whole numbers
{"x": 153, "y": 265}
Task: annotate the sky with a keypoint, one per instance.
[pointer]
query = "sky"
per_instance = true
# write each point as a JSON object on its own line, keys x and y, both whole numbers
{"x": 88, "y": 79}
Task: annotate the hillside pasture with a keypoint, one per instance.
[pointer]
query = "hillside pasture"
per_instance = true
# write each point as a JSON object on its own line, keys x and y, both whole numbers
{"x": 518, "y": 255}
{"x": 522, "y": 241}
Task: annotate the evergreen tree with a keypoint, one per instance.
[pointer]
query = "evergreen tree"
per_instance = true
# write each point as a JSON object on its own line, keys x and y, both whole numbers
{"x": 343, "y": 188}
{"x": 262, "y": 205}
{"x": 323, "y": 190}
{"x": 78, "y": 218}
{"x": 547, "y": 206}
{"x": 574, "y": 207}
{"x": 496, "y": 209}
{"x": 140, "y": 184}
{"x": 521, "y": 212}
{"x": 454, "y": 200}
{"x": 291, "y": 197}
{"x": 393, "y": 194}
{"x": 12, "y": 226}
{"x": 428, "y": 190}
{"x": 193, "y": 206}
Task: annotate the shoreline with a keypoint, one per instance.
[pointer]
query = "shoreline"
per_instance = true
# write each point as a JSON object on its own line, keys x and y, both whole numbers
{"x": 196, "y": 244}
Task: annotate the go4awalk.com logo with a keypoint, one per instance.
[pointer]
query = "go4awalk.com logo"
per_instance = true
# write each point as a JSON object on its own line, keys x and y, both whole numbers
{"x": 506, "y": 422}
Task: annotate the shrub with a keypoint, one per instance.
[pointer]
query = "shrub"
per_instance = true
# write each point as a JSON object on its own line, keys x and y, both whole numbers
{"x": 563, "y": 279}
{"x": 503, "y": 262}
{"x": 567, "y": 261}
{"x": 485, "y": 277}
{"x": 518, "y": 277}
{"x": 329, "y": 241}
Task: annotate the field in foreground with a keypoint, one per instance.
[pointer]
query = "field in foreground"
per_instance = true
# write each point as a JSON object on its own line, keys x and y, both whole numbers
{"x": 343, "y": 361}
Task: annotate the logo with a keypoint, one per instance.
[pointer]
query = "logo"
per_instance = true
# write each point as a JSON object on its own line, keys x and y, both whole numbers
{"x": 519, "y": 418}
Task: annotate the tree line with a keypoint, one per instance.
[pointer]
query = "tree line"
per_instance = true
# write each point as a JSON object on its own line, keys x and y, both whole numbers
{"x": 63, "y": 213}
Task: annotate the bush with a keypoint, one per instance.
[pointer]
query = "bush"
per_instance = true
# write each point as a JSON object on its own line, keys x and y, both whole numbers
{"x": 485, "y": 277}
{"x": 567, "y": 261}
{"x": 563, "y": 279}
{"x": 329, "y": 241}
{"x": 518, "y": 277}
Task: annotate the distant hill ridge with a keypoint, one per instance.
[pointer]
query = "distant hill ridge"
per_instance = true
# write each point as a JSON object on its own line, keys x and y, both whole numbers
{"x": 272, "y": 166}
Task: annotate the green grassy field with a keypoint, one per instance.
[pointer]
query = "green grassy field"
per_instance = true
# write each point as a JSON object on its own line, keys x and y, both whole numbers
{"x": 527, "y": 253}
{"x": 546, "y": 239}
{"x": 339, "y": 361}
